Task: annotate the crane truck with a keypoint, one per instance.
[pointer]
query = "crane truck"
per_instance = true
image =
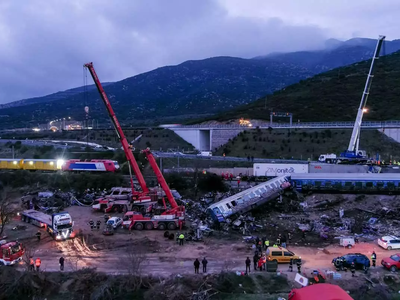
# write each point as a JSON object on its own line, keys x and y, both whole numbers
{"x": 58, "y": 225}
{"x": 171, "y": 218}
{"x": 138, "y": 197}
{"x": 353, "y": 154}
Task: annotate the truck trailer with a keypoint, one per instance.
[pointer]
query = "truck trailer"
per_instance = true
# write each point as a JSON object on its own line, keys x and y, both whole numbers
{"x": 58, "y": 225}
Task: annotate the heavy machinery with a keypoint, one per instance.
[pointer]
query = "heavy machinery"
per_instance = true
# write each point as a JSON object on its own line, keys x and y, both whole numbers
{"x": 169, "y": 218}
{"x": 353, "y": 154}
{"x": 137, "y": 196}
{"x": 59, "y": 225}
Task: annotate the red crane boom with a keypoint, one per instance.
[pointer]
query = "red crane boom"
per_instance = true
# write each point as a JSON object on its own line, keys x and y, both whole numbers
{"x": 125, "y": 145}
{"x": 160, "y": 177}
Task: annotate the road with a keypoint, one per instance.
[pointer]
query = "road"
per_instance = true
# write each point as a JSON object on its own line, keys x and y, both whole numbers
{"x": 176, "y": 259}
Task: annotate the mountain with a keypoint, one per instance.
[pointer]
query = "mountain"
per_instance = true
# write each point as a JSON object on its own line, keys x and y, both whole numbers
{"x": 52, "y": 97}
{"x": 333, "y": 96}
{"x": 194, "y": 88}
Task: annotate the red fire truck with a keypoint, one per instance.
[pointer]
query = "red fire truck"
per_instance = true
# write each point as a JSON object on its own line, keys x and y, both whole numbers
{"x": 10, "y": 253}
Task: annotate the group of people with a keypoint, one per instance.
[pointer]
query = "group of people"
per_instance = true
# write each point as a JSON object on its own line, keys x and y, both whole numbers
{"x": 196, "y": 264}
{"x": 35, "y": 264}
{"x": 95, "y": 226}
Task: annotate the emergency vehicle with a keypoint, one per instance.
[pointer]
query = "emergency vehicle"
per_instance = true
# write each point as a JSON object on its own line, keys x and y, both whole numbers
{"x": 10, "y": 253}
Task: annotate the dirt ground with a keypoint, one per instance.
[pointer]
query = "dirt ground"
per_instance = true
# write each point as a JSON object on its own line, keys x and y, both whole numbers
{"x": 148, "y": 252}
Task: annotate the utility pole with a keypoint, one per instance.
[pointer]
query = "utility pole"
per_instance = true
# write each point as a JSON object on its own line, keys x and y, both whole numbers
{"x": 87, "y": 125}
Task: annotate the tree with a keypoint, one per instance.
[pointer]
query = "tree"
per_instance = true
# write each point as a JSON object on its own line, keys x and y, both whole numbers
{"x": 7, "y": 210}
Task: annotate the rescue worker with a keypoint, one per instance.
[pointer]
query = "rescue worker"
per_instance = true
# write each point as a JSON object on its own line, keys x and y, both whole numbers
{"x": 31, "y": 264}
{"x": 278, "y": 240}
{"x": 263, "y": 242}
{"x": 257, "y": 240}
{"x": 204, "y": 263}
{"x": 303, "y": 235}
{"x": 38, "y": 263}
{"x": 289, "y": 237}
{"x": 255, "y": 260}
{"x": 248, "y": 262}
{"x": 266, "y": 244}
{"x": 98, "y": 223}
{"x": 91, "y": 223}
{"x": 181, "y": 238}
{"x": 291, "y": 265}
{"x": 61, "y": 261}
{"x": 260, "y": 263}
{"x": 283, "y": 240}
{"x": 352, "y": 269}
{"x": 106, "y": 218}
{"x": 373, "y": 258}
{"x": 299, "y": 265}
{"x": 264, "y": 260}
{"x": 196, "y": 266}
{"x": 38, "y": 235}
{"x": 259, "y": 247}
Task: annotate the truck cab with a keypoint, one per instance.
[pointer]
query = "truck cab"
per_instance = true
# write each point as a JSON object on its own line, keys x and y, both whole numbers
{"x": 10, "y": 253}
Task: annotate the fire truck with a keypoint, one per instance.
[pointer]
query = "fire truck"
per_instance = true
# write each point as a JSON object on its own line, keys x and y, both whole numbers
{"x": 170, "y": 218}
{"x": 10, "y": 253}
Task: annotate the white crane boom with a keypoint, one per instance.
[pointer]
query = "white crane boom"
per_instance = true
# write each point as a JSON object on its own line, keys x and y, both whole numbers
{"x": 355, "y": 136}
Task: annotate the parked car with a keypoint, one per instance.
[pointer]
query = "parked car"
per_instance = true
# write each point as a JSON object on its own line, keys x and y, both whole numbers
{"x": 360, "y": 261}
{"x": 114, "y": 222}
{"x": 281, "y": 255}
{"x": 392, "y": 263}
{"x": 389, "y": 242}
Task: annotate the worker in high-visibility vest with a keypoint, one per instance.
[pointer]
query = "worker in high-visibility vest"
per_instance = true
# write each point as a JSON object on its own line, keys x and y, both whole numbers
{"x": 266, "y": 244}
{"x": 181, "y": 238}
{"x": 38, "y": 263}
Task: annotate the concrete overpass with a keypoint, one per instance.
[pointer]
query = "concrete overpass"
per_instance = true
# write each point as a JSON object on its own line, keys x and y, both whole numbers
{"x": 209, "y": 137}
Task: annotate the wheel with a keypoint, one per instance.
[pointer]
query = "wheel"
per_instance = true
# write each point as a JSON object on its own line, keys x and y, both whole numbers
{"x": 389, "y": 248}
{"x": 149, "y": 225}
{"x": 143, "y": 210}
{"x": 274, "y": 261}
{"x": 135, "y": 208}
{"x": 393, "y": 268}
{"x": 171, "y": 226}
{"x": 139, "y": 226}
{"x": 349, "y": 246}
{"x": 162, "y": 226}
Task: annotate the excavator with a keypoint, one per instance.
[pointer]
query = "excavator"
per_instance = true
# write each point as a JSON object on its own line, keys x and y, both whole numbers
{"x": 170, "y": 218}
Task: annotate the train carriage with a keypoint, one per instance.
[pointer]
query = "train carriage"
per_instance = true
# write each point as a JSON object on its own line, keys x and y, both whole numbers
{"x": 10, "y": 164}
{"x": 40, "y": 164}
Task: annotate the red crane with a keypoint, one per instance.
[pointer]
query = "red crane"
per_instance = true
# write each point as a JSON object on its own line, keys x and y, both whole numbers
{"x": 178, "y": 211}
{"x": 141, "y": 196}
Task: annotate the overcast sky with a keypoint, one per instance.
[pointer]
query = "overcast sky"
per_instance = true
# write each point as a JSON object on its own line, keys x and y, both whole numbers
{"x": 44, "y": 43}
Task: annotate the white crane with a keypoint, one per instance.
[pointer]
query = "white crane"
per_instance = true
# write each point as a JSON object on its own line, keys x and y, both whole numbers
{"x": 352, "y": 151}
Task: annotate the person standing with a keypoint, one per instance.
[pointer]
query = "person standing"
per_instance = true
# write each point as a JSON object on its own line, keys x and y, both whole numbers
{"x": 204, "y": 263}
{"x": 255, "y": 261}
{"x": 61, "y": 261}
{"x": 91, "y": 223}
{"x": 98, "y": 223}
{"x": 248, "y": 262}
{"x": 181, "y": 238}
{"x": 291, "y": 265}
{"x": 266, "y": 244}
{"x": 352, "y": 269}
{"x": 283, "y": 241}
{"x": 299, "y": 266}
{"x": 196, "y": 266}
{"x": 38, "y": 262}
{"x": 31, "y": 264}
{"x": 373, "y": 258}
{"x": 38, "y": 235}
